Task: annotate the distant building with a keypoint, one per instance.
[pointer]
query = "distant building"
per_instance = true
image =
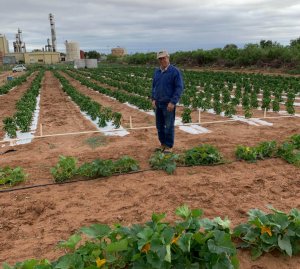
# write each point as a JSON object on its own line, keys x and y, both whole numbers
{"x": 1, "y": 58}
{"x": 119, "y": 52}
{"x": 82, "y": 54}
{"x": 42, "y": 57}
{"x": 4, "y": 47}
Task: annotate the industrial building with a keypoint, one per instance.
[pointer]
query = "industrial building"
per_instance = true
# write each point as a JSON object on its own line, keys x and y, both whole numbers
{"x": 41, "y": 57}
{"x": 47, "y": 55}
{"x": 119, "y": 52}
{"x": 4, "y": 47}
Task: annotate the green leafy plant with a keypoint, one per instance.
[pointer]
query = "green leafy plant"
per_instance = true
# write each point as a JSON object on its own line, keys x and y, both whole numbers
{"x": 289, "y": 104}
{"x": 202, "y": 155}
{"x": 65, "y": 169}
{"x": 295, "y": 139}
{"x": 229, "y": 110}
{"x": 12, "y": 176}
{"x": 246, "y": 153}
{"x": 248, "y": 112}
{"x": 125, "y": 164}
{"x": 290, "y": 153}
{"x": 266, "y": 149}
{"x": 97, "y": 168}
{"x": 276, "y": 104}
{"x": 186, "y": 115}
{"x": 191, "y": 242}
{"x": 162, "y": 161}
{"x": 10, "y": 127}
{"x": 267, "y": 232}
{"x": 117, "y": 119}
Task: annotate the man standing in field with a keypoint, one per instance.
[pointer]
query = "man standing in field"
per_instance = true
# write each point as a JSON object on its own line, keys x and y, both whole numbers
{"x": 167, "y": 87}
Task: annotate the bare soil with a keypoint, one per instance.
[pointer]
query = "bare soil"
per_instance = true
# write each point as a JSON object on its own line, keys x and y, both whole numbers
{"x": 33, "y": 220}
{"x": 4, "y": 75}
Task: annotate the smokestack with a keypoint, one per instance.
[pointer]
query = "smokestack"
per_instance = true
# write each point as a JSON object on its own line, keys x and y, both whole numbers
{"x": 53, "y": 33}
{"x": 19, "y": 45}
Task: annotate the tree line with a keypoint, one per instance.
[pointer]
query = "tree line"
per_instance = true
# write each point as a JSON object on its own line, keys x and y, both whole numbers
{"x": 264, "y": 54}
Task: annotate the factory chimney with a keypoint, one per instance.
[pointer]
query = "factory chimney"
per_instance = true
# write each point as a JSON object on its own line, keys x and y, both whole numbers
{"x": 19, "y": 45}
{"x": 53, "y": 33}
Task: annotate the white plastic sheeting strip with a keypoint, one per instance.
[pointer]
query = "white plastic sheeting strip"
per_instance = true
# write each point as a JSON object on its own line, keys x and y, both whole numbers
{"x": 283, "y": 112}
{"x": 25, "y": 138}
{"x": 109, "y": 129}
{"x": 149, "y": 112}
{"x": 192, "y": 129}
{"x": 250, "y": 121}
{"x": 261, "y": 122}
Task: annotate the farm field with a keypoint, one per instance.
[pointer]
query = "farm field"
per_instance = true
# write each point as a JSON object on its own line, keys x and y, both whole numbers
{"x": 4, "y": 75}
{"x": 34, "y": 219}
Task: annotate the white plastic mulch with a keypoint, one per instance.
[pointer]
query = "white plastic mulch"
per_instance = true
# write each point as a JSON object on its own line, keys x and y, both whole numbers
{"x": 250, "y": 121}
{"x": 25, "y": 138}
{"x": 109, "y": 129}
{"x": 192, "y": 129}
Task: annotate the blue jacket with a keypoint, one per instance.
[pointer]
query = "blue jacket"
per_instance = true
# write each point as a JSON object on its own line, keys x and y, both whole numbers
{"x": 167, "y": 86}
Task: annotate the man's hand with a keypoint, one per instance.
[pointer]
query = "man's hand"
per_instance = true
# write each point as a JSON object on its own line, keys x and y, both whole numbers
{"x": 153, "y": 104}
{"x": 170, "y": 107}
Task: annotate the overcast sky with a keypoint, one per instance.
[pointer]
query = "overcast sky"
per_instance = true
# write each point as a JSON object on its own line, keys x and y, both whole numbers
{"x": 146, "y": 26}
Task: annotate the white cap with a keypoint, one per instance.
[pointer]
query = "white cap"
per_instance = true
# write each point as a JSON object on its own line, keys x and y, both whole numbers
{"x": 162, "y": 54}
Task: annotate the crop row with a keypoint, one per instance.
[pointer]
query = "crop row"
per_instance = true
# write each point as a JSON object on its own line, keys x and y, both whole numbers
{"x": 66, "y": 169}
{"x": 220, "y": 91}
{"x": 12, "y": 83}
{"x": 123, "y": 80}
{"x": 223, "y": 91}
{"x": 191, "y": 242}
{"x": 123, "y": 97}
{"x": 92, "y": 108}
{"x": 25, "y": 107}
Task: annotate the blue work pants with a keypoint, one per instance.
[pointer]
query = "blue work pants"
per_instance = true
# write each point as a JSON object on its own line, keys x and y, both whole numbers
{"x": 165, "y": 121}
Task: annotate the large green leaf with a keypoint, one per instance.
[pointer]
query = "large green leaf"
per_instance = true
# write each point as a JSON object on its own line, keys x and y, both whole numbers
{"x": 96, "y": 230}
{"x": 117, "y": 246}
{"x": 71, "y": 242}
{"x": 183, "y": 212}
{"x": 70, "y": 261}
{"x": 285, "y": 244}
{"x": 184, "y": 242}
{"x": 158, "y": 217}
{"x": 221, "y": 243}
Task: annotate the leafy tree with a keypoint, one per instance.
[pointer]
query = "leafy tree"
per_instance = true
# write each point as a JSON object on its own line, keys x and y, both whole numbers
{"x": 230, "y": 46}
{"x": 92, "y": 54}
{"x": 295, "y": 42}
{"x": 266, "y": 43}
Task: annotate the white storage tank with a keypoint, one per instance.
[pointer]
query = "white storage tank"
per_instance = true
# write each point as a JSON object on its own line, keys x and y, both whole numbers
{"x": 91, "y": 63}
{"x": 79, "y": 63}
{"x": 72, "y": 51}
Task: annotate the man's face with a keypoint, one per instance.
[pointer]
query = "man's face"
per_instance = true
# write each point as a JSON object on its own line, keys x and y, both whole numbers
{"x": 164, "y": 61}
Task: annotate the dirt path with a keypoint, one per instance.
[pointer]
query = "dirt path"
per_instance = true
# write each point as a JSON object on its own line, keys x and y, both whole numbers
{"x": 32, "y": 221}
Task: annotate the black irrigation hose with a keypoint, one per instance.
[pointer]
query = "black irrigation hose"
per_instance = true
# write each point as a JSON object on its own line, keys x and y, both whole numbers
{"x": 120, "y": 174}
{"x": 71, "y": 181}
{"x": 79, "y": 180}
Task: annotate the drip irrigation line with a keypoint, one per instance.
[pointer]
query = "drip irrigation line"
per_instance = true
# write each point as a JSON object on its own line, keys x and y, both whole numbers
{"x": 71, "y": 181}
{"x": 114, "y": 175}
